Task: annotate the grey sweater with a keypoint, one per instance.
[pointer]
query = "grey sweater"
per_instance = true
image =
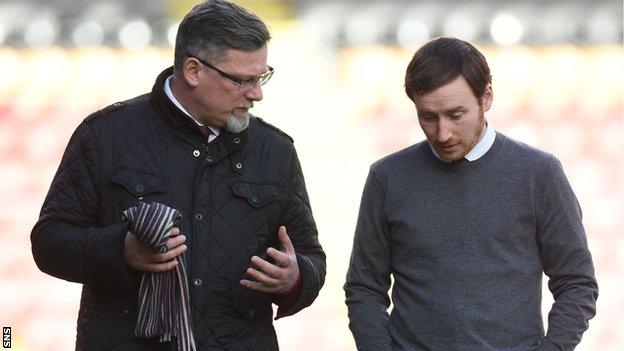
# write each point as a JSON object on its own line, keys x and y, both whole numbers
{"x": 466, "y": 244}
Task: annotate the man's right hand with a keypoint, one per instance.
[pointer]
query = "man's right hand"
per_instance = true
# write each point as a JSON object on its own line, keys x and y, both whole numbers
{"x": 138, "y": 256}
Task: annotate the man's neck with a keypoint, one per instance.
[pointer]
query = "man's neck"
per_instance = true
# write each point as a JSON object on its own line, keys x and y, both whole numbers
{"x": 180, "y": 97}
{"x": 175, "y": 92}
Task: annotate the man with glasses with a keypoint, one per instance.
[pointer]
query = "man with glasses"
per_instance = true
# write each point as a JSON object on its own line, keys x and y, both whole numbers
{"x": 246, "y": 237}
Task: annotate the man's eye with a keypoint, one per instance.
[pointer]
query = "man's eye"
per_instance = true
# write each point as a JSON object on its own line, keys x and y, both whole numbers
{"x": 248, "y": 82}
{"x": 457, "y": 115}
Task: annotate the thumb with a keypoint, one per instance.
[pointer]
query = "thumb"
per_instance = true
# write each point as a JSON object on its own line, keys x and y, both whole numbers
{"x": 285, "y": 240}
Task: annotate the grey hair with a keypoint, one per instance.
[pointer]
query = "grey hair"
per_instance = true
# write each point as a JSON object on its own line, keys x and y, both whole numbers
{"x": 214, "y": 26}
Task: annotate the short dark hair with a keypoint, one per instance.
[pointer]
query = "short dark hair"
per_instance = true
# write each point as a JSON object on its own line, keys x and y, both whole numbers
{"x": 442, "y": 60}
{"x": 214, "y": 26}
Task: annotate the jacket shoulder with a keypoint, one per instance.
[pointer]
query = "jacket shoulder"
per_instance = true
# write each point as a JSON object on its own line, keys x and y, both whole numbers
{"x": 117, "y": 108}
{"x": 101, "y": 113}
{"x": 273, "y": 128}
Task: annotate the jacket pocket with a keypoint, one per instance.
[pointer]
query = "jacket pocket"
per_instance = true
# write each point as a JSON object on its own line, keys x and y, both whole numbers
{"x": 131, "y": 186}
{"x": 260, "y": 205}
{"x": 256, "y": 194}
{"x": 255, "y": 213}
{"x": 139, "y": 184}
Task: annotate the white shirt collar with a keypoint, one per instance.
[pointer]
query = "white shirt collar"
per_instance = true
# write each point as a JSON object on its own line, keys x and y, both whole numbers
{"x": 482, "y": 147}
{"x": 175, "y": 101}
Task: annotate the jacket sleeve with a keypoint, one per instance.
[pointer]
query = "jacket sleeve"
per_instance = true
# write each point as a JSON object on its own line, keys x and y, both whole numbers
{"x": 299, "y": 222}
{"x": 368, "y": 277}
{"x": 66, "y": 243}
{"x": 566, "y": 259}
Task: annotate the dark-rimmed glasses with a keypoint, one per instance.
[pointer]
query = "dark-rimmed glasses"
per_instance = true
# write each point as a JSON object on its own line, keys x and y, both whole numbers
{"x": 242, "y": 83}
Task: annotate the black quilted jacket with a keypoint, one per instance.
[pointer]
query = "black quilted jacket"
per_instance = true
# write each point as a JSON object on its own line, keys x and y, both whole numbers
{"x": 233, "y": 194}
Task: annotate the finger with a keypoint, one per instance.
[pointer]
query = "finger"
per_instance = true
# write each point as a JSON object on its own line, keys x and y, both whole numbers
{"x": 257, "y": 286}
{"x": 161, "y": 267}
{"x": 266, "y": 267}
{"x": 263, "y": 277}
{"x": 175, "y": 241}
{"x": 169, "y": 255}
{"x": 285, "y": 240}
{"x": 175, "y": 231}
{"x": 280, "y": 258}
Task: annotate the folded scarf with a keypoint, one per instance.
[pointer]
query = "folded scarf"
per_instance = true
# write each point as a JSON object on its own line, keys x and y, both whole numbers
{"x": 164, "y": 309}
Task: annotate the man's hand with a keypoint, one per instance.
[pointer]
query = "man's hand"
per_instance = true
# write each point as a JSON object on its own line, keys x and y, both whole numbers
{"x": 276, "y": 278}
{"x": 138, "y": 256}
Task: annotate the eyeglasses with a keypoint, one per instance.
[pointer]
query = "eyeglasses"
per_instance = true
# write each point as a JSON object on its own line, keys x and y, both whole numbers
{"x": 242, "y": 83}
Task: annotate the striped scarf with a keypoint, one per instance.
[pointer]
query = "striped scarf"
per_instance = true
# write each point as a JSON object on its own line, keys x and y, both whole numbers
{"x": 164, "y": 309}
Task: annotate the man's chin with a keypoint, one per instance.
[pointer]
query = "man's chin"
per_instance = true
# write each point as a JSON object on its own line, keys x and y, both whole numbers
{"x": 237, "y": 123}
{"x": 450, "y": 156}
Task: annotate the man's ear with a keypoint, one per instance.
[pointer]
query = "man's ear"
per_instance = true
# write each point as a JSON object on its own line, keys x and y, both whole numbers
{"x": 190, "y": 71}
{"x": 488, "y": 97}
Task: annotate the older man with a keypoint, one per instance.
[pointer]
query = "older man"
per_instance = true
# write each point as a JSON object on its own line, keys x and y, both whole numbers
{"x": 246, "y": 230}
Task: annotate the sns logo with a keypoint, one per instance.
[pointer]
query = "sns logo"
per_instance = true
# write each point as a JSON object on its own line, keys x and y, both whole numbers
{"x": 6, "y": 337}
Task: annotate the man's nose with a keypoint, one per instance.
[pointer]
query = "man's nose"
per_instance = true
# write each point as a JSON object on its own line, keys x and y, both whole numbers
{"x": 255, "y": 93}
{"x": 444, "y": 131}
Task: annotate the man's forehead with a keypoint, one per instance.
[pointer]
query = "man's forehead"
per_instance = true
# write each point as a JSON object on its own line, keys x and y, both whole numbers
{"x": 243, "y": 55}
{"x": 455, "y": 94}
{"x": 247, "y": 63}
{"x": 442, "y": 102}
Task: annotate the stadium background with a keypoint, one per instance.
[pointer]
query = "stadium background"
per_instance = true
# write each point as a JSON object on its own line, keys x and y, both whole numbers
{"x": 558, "y": 78}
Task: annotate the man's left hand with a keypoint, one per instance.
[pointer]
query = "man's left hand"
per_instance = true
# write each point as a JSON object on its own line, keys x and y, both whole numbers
{"x": 278, "y": 278}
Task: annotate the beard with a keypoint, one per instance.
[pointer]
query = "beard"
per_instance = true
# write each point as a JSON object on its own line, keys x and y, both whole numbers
{"x": 466, "y": 146}
{"x": 236, "y": 124}
{"x": 478, "y": 134}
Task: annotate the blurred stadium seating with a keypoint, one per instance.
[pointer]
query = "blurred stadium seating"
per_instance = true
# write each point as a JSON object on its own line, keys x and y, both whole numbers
{"x": 338, "y": 90}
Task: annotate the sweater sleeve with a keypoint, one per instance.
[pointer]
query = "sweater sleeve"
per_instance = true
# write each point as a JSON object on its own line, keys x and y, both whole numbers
{"x": 66, "y": 242}
{"x": 566, "y": 259}
{"x": 368, "y": 277}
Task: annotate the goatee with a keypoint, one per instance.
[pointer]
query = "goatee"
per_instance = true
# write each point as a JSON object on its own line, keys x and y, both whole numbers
{"x": 236, "y": 124}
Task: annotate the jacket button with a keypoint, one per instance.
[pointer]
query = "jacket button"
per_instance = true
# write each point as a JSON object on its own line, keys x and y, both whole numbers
{"x": 251, "y": 313}
{"x": 236, "y": 140}
{"x": 198, "y": 216}
{"x": 238, "y": 165}
{"x": 209, "y": 159}
{"x": 254, "y": 199}
{"x": 196, "y": 153}
{"x": 197, "y": 282}
{"x": 139, "y": 188}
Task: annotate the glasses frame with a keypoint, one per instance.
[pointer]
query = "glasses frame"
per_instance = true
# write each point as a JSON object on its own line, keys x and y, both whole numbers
{"x": 242, "y": 83}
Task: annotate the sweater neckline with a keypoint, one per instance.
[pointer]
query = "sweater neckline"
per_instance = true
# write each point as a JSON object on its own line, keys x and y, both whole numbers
{"x": 462, "y": 164}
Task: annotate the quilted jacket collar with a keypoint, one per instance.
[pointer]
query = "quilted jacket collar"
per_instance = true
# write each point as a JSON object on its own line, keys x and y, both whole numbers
{"x": 179, "y": 121}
